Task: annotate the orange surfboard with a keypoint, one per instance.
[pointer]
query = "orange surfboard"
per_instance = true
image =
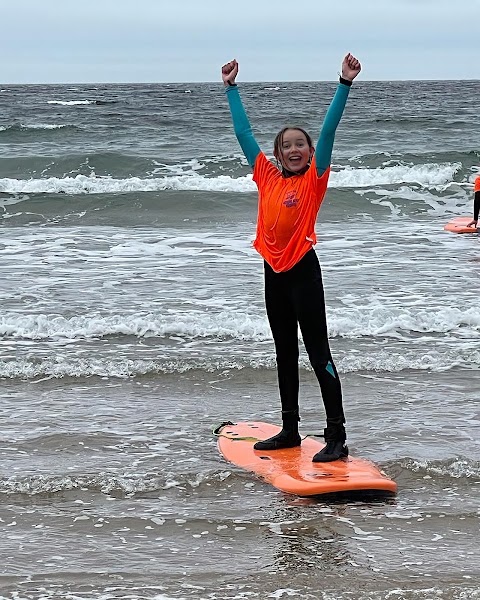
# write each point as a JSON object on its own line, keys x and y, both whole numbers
{"x": 459, "y": 225}
{"x": 292, "y": 471}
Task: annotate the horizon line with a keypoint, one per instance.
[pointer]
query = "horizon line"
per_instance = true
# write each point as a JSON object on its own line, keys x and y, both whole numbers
{"x": 221, "y": 83}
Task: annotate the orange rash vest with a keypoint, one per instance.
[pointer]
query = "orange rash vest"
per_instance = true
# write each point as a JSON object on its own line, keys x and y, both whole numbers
{"x": 477, "y": 184}
{"x": 287, "y": 212}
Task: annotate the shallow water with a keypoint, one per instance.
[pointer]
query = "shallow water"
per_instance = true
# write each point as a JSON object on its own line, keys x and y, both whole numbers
{"x": 132, "y": 323}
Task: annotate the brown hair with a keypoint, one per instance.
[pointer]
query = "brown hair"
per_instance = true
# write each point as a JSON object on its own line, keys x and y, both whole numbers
{"x": 277, "y": 144}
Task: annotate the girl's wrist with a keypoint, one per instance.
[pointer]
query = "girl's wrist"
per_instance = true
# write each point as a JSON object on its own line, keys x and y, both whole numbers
{"x": 345, "y": 81}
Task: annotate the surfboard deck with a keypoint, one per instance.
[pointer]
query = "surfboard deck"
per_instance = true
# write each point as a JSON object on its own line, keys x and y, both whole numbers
{"x": 291, "y": 470}
{"x": 459, "y": 225}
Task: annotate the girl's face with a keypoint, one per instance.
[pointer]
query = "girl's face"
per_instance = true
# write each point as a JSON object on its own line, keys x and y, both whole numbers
{"x": 295, "y": 151}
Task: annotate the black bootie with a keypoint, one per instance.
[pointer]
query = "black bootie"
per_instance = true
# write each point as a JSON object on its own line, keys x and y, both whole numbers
{"x": 335, "y": 446}
{"x": 287, "y": 438}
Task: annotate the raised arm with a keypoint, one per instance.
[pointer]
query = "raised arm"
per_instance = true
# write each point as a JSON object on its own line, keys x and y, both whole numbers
{"x": 241, "y": 124}
{"x": 323, "y": 154}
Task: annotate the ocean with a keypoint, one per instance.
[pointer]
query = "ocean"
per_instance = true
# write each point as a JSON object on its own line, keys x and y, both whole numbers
{"x": 132, "y": 323}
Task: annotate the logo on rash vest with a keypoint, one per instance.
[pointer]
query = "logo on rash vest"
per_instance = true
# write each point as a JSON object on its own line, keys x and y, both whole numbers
{"x": 290, "y": 199}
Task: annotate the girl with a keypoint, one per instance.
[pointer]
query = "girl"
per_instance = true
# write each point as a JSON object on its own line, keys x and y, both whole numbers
{"x": 476, "y": 202}
{"x": 289, "y": 200}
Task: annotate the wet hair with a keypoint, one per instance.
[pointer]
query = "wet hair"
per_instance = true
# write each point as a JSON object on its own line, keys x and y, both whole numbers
{"x": 278, "y": 142}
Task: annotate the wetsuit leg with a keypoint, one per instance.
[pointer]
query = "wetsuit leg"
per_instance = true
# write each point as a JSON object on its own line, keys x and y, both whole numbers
{"x": 309, "y": 300}
{"x": 283, "y": 323}
{"x": 476, "y": 205}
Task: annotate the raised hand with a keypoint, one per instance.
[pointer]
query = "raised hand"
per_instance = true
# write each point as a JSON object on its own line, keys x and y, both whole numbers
{"x": 229, "y": 72}
{"x": 351, "y": 67}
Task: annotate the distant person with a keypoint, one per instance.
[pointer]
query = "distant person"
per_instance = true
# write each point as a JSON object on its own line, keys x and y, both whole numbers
{"x": 476, "y": 202}
{"x": 290, "y": 195}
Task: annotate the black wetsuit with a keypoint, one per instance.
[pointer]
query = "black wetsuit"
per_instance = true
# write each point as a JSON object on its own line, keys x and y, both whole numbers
{"x": 476, "y": 205}
{"x": 296, "y": 297}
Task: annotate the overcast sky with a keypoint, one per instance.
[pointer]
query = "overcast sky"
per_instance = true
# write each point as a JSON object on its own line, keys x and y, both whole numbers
{"x": 57, "y": 41}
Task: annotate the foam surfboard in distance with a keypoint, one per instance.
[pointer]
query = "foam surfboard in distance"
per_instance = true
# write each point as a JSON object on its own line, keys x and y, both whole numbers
{"x": 459, "y": 225}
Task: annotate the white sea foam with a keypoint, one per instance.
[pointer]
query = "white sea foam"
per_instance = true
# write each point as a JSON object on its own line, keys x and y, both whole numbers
{"x": 424, "y": 175}
{"x": 393, "y": 361}
{"x": 43, "y": 126}
{"x": 427, "y": 175}
{"x": 33, "y": 126}
{"x": 378, "y": 361}
{"x": 192, "y": 325}
{"x": 389, "y": 321}
{"x": 453, "y": 203}
{"x": 350, "y": 323}
{"x": 457, "y": 468}
{"x": 70, "y": 102}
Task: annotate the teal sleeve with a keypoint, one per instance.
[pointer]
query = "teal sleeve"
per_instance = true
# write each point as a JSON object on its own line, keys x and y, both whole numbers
{"x": 323, "y": 152}
{"x": 241, "y": 125}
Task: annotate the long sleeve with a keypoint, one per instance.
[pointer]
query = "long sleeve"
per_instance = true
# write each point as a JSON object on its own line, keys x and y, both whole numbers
{"x": 241, "y": 125}
{"x": 323, "y": 153}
